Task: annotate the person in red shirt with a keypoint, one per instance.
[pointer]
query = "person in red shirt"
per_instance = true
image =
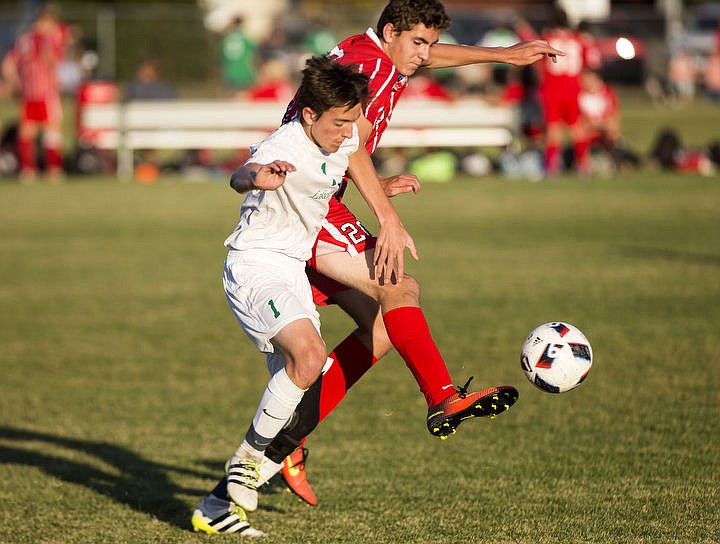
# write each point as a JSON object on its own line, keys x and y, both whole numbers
{"x": 600, "y": 115}
{"x": 273, "y": 83}
{"x": 31, "y": 68}
{"x": 560, "y": 87}
{"x": 599, "y": 110}
{"x": 406, "y": 38}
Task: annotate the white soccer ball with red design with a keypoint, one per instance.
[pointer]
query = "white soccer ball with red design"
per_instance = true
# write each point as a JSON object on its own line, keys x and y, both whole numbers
{"x": 556, "y": 357}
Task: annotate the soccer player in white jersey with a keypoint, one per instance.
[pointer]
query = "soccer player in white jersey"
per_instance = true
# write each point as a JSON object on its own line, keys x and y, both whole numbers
{"x": 289, "y": 180}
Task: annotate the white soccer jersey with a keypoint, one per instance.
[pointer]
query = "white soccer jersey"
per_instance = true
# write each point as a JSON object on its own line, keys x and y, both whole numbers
{"x": 288, "y": 219}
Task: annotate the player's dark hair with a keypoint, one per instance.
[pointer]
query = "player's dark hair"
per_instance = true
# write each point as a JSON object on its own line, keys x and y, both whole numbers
{"x": 405, "y": 14}
{"x": 328, "y": 84}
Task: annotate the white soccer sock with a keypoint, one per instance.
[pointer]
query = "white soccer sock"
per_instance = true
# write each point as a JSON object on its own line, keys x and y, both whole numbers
{"x": 268, "y": 469}
{"x": 277, "y": 404}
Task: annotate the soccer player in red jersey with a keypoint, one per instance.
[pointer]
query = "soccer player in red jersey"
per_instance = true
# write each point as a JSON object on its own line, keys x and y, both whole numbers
{"x": 405, "y": 39}
{"x": 560, "y": 87}
{"x": 30, "y": 66}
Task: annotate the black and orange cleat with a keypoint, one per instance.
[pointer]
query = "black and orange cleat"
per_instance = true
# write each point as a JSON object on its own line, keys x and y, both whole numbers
{"x": 444, "y": 418}
{"x": 293, "y": 470}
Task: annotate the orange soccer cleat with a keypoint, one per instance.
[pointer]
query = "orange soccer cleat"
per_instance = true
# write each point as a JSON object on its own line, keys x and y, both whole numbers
{"x": 293, "y": 470}
{"x": 444, "y": 418}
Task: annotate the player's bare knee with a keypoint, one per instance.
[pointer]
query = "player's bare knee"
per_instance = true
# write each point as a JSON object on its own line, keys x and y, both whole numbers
{"x": 411, "y": 286}
{"x": 404, "y": 293}
{"x": 305, "y": 364}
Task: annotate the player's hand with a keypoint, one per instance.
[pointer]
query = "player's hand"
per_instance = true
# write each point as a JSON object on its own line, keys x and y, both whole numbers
{"x": 524, "y": 53}
{"x": 272, "y": 175}
{"x": 397, "y": 185}
{"x": 389, "y": 258}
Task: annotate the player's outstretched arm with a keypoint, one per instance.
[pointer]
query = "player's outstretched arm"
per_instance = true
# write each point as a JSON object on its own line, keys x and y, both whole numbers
{"x": 266, "y": 177}
{"x": 392, "y": 237}
{"x": 445, "y": 55}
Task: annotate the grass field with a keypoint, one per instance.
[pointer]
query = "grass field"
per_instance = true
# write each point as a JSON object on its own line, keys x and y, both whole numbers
{"x": 126, "y": 382}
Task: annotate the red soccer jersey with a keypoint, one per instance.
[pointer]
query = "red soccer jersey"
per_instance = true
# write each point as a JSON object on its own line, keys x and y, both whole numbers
{"x": 598, "y": 106}
{"x": 580, "y": 52}
{"x": 36, "y": 56}
{"x": 386, "y": 83}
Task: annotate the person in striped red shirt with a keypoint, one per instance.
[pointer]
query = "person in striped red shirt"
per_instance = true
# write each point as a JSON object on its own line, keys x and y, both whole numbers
{"x": 31, "y": 68}
{"x": 406, "y": 38}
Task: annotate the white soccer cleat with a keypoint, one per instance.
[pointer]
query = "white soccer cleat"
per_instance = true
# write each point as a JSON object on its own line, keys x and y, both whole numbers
{"x": 216, "y": 515}
{"x": 243, "y": 477}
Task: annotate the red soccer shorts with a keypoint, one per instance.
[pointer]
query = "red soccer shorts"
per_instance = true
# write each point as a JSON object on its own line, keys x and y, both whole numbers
{"x": 561, "y": 104}
{"x": 341, "y": 231}
{"x": 42, "y": 111}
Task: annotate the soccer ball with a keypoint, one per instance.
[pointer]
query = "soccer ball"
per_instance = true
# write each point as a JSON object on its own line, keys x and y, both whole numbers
{"x": 556, "y": 357}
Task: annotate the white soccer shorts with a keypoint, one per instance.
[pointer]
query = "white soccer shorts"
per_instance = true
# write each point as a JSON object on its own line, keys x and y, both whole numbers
{"x": 267, "y": 291}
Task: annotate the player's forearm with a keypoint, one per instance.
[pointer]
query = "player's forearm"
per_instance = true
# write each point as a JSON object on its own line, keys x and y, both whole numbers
{"x": 445, "y": 55}
{"x": 363, "y": 174}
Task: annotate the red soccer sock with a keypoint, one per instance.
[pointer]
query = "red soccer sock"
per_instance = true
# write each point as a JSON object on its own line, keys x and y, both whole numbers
{"x": 26, "y": 154}
{"x": 409, "y": 332}
{"x": 552, "y": 159}
{"x": 54, "y": 158}
{"x": 351, "y": 359}
{"x": 582, "y": 155}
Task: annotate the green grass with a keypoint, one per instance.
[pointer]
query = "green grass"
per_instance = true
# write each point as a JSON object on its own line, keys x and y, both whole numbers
{"x": 126, "y": 382}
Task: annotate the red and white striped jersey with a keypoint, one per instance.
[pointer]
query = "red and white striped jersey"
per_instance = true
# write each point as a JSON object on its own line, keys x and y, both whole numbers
{"x": 386, "y": 83}
{"x": 36, "y": 56}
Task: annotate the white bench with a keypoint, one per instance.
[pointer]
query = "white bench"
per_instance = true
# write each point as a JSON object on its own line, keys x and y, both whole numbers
{"x": 184, "y": 124}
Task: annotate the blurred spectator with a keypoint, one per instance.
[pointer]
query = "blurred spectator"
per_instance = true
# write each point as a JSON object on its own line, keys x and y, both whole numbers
{"x": 668, "y": 153}
{"x": 560, "y": 87}
{"x": 274, "y": 83}
{"x": 599, "y": 108}
{"x": 70, "y": 70}
{"x": 89, "y": 159}
{"x": 600, "y": 113}
{"x": 31, "y": 68}
{"x": 147, "y": 84}
{"x": 682, "y": 75}
{"x": 426, "y": 87}
{"x": 522, "y": 90}
{"x": 238, "y": 58}
{"x": 319, "y": 40}
{"x": 711, "y": 76}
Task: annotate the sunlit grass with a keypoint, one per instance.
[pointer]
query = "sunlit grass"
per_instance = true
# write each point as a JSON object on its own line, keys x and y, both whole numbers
{"x": 126, "y": 382}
